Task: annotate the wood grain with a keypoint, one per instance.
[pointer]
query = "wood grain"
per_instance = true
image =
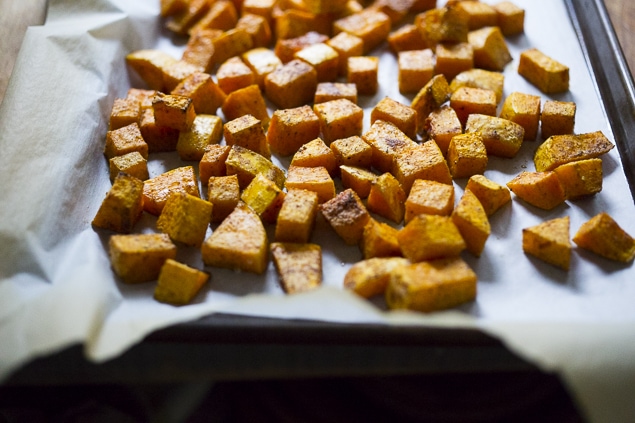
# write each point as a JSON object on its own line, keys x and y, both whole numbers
{"x": 622, "y": 13}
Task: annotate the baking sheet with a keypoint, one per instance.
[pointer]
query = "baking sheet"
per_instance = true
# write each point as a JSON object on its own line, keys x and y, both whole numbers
{"x": 56, "y": 287}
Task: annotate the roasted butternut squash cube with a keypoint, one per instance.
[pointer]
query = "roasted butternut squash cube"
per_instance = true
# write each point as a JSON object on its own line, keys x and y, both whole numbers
{"x": 185, "y": 218}
{"x": 442, "y": 125}
{"x": 125, "y": 140}
{"x": 172, "y": 7}
{"x": 372, "y": 26}
{"x": 296, "y": 219}
{"x": 230, "y": 43}
{"x": 234, "y": 74}
{"x": 430, "y": 97}
{"x": 580, "y": 178}
{"x": 387, "y": 198}
{"x": 386, "y": 141}
{"x": 400, "y": 115}
{"x": 416, "y": 69}
{"x": 316, "y": 153}
{"x": 379, "y": 240}
{"x": 205, "y": 130}
{"x": 173, "y": 111}
{"x": 511, "y": 18}
{"x": 292, "y": 23}
{"x": 179, "y": 283}
{"x": 557, "y": 118}
{"x": 327, "y": 91}
{"x": 478, "y": 14}
{"x": 363, "y": 71}
{"x": 262, "y": 8}
{"x": 291, "y": 85}
{"x": 121, "y": 209}
{"x": 246, "y": 101}
{"x": 490, "y": 48}
{"x": 246, "y": 164}
{"x": 206, "y": 96}
{"x": 421, "y": 161}
{"x": 213, "y": 162}
{"x": 138, "y": 258}
{"x": 132, "y": 164}
{"x": 247, "y": 131}
{"x": 540, "y": 189}
{"x": 396, "y": 10}
{"x": 429, "y": 197}
{"x": 502, "y": 137}
{"x": 316, "y": 179}
{"x": 547, "y": 74}
{"x": 492, "y": 196}
{"x": 358, "y": 179}
{"x": 470, "y": 218}
{"x": 406, "y": 38}
{"x": 324, "y": 58}
{"x": 431, "y": 286}
{"x": 142, "y": 96}
{"x": 347, "y": 215}
{"x": 480, "y": 78}
{"x": 467, "y": 155}
{"x": 428, "y": 237}
{"x": 157, "y": 190}
{"x": 453, "y": 58}
{"x": 346, "y": 45}
{"x": 199, "y": 50}
{"x": 264, "y": 197}
{"x": 286, "y": 48}
{"x": 223, "y": 192}
{"x": 124, "y": 111}
{"x": 339, "y": 119}
{"x": 468, "y": 101}
{"x": 290, "y": 129}
{"x": 159, "y": 138}
{"x": 151, "y": 65}
{"x": 444, "y": 24}
{"x": 299, "y": 266}
{"x": 560, "y": 149}
{"x": 239, "y": 242}
{"x": 258, "y": 27}
{"x": 352, "y": 151}
{"x": 185, "y": 19}
{"x": 602, "y": 235}
{"x": 523, "y": 109}
{"x": 368, "y": 278}
{"x": 221, "y": 15}
{"x": 549, "y": 242}
{"x": 177, "y": 72}
{"x": 262, "y": 61}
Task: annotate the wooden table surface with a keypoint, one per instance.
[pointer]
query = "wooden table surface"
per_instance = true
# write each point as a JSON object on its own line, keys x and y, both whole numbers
{"x": 16, "y": 16}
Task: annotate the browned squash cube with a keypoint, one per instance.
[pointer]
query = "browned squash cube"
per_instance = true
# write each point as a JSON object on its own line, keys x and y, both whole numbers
{"x": 246, "y": 101}
{"x": 286, "y": 48}
{"x": 324, "y": 58}
{"x": 221, "y": 15}
{"x": 580, "y": 178}
{"x": 547, "y": 74}
{"x": 372, "y": 26}
{"x": 502, "y": 137}
{"x": 479, "y": 14}
{"x": 557, "y": 118}
{"x": 292, "y": 23}
{"x": 453, "y": 58}
{"x": 602, "y": 235}
{"x": 234, "y": 74}
{"x": 125, "y": 140}
{"x": 223, "y": 192}
{"x": 480, "y": 78}
{"x": 327, "y": 91}
{"x": 246, "y": 164}
{"x": 262, "y": 8}
{"x": 430, "y": 97}
{"x": 492, "y": 196}
{"x": 523, "y": 109}
{"x": 363, "y": 71}
{"x": 239, "y": 242}
{"x": 262, "y": 61}
{"x": 185, "y": 218}
{"x": 368, "y": 278}
{"x": 290, "y": 129}
{"x": 132, "y": 164}
{"x": 560, "y": 149}
{"x": 347, "y": 215}
{"x": 264, "y": 197}
{"x": 467, "y": 155}
{"x": 176, "y": 73}
{"x": 379, "y": 240}
{"x": 421, "y": 161}
{"x": 511, "y": 18}
{"x": 142, "y": 96}
{"x": 406, "y": 38}
{"x": 151, "y": 65}
{"x": 352, "y": 151}
{"x": 186, "y": 18}
{"x": 179, "y": 283}
{"x": 125, "y": 111}
{"x": 358, "y": 179}
{"x": 442, "y": 125}
{"x": 173, "y": 111}
{"x": 490, "y": 48}
{"x": 428, "y": 237}
{"x": 206, "y": 96}
{"x": 346, "y": 45}
{"x": 299, "y": 266}
{"x": 467, "y": 101}
{"x": 339, "y": 119}
{"x": 316, "y": 179}
{"x": 157, "y": 190}
{"x": 400, "y": 115}
{"x": 257, "y": 27}
{"x": 138, "y": 258}
{"x": 205, "y": 130}
{"x": 230, "y": 43}
{"x": 470, "y": 218}
{"x": 247, "y": 131}
{"x": 445, "y": 24}
{"x": 296, "y": 219}
{"x": 541, "y": 189}
{"x": 199, "y": 50}
{"x": 429, "y": 197}
{"x": 213, "y": 162}
{"x": 291, "y": 85}
{"x": 549, "y": 241}
{"x": 416, "y": 69}
{"x": 159, "y": 138}
{"x": 316, "y": 153}
{"x": 387, "y": 198}
{"x": 121, "y": 209}
{"x": 386, "y": 141}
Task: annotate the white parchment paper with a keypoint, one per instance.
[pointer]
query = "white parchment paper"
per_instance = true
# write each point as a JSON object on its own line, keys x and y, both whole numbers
{"x": 57, "y": 289}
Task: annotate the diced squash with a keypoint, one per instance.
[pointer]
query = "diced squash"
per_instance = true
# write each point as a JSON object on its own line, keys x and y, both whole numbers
{"x": 247, "y": 131}
{"x": 125, "y": 140}
{"x": 580, "y": 178}
{"x": 400, "y": 115}
{"x": 179, "y": 283}
{"x": 421, "y": 161}
{"x": 246, "y": 164}
{"x": 387, "y": 198}
{"x": 428, "y": 237}
{"x": 205, "y": 130}
{"x": 445, "y": 24}
{"x": 416, "y": 69}
{"x": 230, "y": 43}
{"x": 247, "y": 101}
{"x": 234, "y": 74}
{"x": 286, "y": 47}
{"x": 213, "y": 162}
{"x": 363, "y": 71}
{"x": 492, "y": 196}
{"x": 511, "y": 18}
{"x": 182, "y": 21}
{"x": 296, "y": 219}
{"x": 370, "y": 277}
{"x": 453, "y": 58}
{"x": 480, "y": 78}
{"x": 224, "y": 194}
{"x": 602, "y": 235}
{"x": 490, "y": 48}
{"x": 547, "y": 74}
{"x": 557, "y": 118}
{"x": 347, "y": 215}
{"x": 430, "y": 97}
{"x": 138, "y": 258}
{"x": 316, "y": 153}
{"x": 151, "y": 65}
{"x": 173, "y": 111}
{"x": 470, "y": 218}
{"x": 560, "y": 149}
{"x": 352, "y": 151}
{"x": 540, "y": 189}
{"x": 315, "y": 179}
{"x": 467, "y": 101}
{"x": 467, "y": 155}
{"x": 124, "y": 112}
{"x": 132, "y": 164}
{"x": 327, "y": 91}
{"x": 429, "y": 197}
{"x": 264, "y": 197}
{"x": 379, "y": 240}
{"x": 221, "y": 15}
{"x": 406, "y": 38}
{"x": 257, "y": 27}
{"x": 291, "y": 85}
{"x": 442, "y": 125}
{"x": 121, "y": 209}
{"x": 523, "y": 109}
{"x": 262, "y": 61}
{"x": 358, "y": 179}
{"x": 206, "y": 96}
{"x": 159, "y": 138}
{"x": 549, "y": 241}
{"x": 290, "y": 129}
{"x": 339, "y": 119}
{"x": 157, "y": 190}
{"x": 185, "y": 218}
{"x": 386, "y": 141}
{"x": 324, "y": 58}
{"x": 502, "y": 137}
{"x": 299, "y": 266}
{"x": 347, "y": 45}
{"x": 479, "y": 14}
{"x": 372, "y": 26}
{"x": 199, "y": 50}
